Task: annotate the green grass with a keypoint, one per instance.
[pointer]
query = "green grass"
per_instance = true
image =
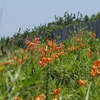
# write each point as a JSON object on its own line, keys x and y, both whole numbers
{"x": 25, "y": 78}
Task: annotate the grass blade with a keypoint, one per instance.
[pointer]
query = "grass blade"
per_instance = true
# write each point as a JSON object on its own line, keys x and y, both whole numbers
{"x": 87, "y": 95}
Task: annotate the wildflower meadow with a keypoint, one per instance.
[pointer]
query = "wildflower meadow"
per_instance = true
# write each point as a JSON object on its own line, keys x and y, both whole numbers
{"x": 53, "y": 71}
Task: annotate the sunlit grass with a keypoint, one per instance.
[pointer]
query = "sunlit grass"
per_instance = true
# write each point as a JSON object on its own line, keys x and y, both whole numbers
{"x": 53, "y": 71}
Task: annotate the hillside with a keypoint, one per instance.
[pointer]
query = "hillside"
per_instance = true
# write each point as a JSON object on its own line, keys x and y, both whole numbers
{"x": 51, "y": 70}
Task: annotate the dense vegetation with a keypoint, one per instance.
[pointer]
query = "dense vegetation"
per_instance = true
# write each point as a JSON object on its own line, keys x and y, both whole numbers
{"x": 60, "y": 22}
{"x": 50, "y": 70}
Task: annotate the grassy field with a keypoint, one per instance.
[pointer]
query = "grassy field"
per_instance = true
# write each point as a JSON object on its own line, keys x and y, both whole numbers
{"x": 52, "y": 71}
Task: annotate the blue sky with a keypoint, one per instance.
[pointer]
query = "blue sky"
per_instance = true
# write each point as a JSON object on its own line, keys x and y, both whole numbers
{"x": 29, "y": 13}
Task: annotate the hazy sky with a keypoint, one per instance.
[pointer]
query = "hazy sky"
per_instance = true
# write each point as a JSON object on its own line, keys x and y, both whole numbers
{"x": 29, "y": 13}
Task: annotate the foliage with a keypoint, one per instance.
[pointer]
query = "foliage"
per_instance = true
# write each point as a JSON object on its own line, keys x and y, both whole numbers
{"x": 53, "y": 71}
{"x": 60, "y": 22}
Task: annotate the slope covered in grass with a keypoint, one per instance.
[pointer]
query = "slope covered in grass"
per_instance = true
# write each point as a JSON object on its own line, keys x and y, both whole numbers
{"x": 52, "y": 71}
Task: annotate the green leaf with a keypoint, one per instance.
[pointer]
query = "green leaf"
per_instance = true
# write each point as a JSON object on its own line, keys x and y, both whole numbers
{"x": 87, "y": 95}
{"x": 27, "y": 74}
{"x": 3, "y": 87}
{"x": 31, "y": 80}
